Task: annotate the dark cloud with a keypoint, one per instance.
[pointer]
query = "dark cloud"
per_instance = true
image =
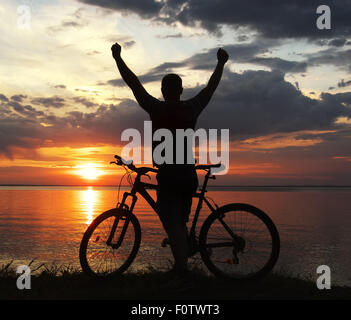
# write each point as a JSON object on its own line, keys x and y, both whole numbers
{"x": 51, "y": 102}
{"x": 3, "y": 97}
{"x": 260, "y": 102}
{"x": 284, "y": 66}
{"x": 102, "y": 126}
{"x": 239, "y": 53}
{"x": 173, "y": 35}
{"x": 84, "y": 101}
{"x": 343, "y": 83}
{"x": 125, "y": 41}
{"x": 252, "y": 104}
{"x": 338, "y": 42}
{"x": 60, "y": 86}
{"x": 243, "y": 52}
{"x": 21, "y": 126}
{"x": 344, "y": 97}
{"x": 18, "y": 128}
{"x": 145, "y": 8}
{"x": 272, "y": 19}
{"x": 25, "y": 110}
{"x": 155, "y": 74}
{"x": 330, "y": 56}
{"x": 18, "y": 97}
{"x": 242, "y": 38}
{"x": 71, "y": 24}
{"x": 128, "y": 44}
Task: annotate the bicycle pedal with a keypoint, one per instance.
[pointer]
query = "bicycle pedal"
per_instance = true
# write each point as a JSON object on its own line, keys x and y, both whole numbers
{"x": 164, "y": 243}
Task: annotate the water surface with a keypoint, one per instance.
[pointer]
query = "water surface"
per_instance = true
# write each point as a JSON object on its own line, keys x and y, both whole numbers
{"x": 47, "y": 224}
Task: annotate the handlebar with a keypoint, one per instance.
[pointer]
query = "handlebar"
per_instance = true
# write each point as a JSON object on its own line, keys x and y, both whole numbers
{"x": 144, "y": 170}
{"x": 141, "y": 171}
{"x": 207, "y": 166}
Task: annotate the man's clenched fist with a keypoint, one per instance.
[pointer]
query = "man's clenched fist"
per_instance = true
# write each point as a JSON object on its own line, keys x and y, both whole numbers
{"x": 222, "y": 56}
{"x": 116, "y": 50}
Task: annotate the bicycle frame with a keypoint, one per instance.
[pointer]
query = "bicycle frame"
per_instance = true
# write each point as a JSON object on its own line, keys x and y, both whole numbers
{"x": 141, "y": 187}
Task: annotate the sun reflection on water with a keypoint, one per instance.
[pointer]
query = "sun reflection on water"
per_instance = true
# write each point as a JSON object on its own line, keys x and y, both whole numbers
{"x": 90, "y": 200}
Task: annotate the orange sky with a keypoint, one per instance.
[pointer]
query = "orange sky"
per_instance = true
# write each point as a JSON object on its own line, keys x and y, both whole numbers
{"x": 63, "y": 105}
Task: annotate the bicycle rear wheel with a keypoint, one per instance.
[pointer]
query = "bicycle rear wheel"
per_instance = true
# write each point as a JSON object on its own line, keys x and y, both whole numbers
{"x": 110, "y": 243}
{"x": 239, "y": 242}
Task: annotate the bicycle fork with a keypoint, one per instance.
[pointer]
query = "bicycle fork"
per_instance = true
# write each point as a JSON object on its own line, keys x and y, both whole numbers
{"x": 124, "y": 208}
{"x": 113, "y": 230}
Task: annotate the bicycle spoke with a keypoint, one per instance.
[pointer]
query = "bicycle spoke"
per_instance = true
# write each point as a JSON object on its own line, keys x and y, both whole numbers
{"x": 103, "y": 259}
{"x": 238, "y": 244}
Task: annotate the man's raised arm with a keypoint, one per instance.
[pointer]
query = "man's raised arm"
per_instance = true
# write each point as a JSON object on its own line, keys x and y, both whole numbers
{"x": 129, "y": 77}
{"x": 205, "y": 94}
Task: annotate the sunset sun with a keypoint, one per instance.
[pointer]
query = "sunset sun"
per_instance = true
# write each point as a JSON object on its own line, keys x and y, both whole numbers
{"x": 89, "y": 171}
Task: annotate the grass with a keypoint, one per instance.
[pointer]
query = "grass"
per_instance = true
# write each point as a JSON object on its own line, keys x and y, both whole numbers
{"x": 66, "y": 282}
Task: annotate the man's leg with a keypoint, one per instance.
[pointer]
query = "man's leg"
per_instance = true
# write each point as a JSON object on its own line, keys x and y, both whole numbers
{"x": 171, "y": 216}
{"x": 174, "y": 197}
{"x": 178, "y": 239}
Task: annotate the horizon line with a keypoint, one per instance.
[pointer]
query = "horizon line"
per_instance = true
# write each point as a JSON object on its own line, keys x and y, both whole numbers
{"x": 235, "y": 186}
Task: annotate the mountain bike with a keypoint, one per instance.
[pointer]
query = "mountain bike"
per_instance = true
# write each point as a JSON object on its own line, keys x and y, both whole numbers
{"x": 236, "y": 241}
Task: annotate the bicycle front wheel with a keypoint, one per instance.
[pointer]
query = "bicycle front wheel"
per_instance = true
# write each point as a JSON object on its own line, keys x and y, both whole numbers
{"x": 239, "y": 242}
{"x": 110, "y": 243}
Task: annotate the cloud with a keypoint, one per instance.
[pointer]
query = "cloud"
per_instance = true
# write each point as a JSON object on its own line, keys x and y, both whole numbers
{"x": 125, "y": 41}
{"x": 343, "y": 84}
{"x": 93, "y": 53}
{"x": 251, "y": 104}
{"x": 129, "y": 44}
{"x": 173, "y": 35}
{"x": 3, "y": 97}
{"x": 238, "y": 53}
{"x": 60, "y": 86}
{"x": 271, "y": 19}
{"x": 145, "y": 9}
{"x": 258, "y": 103}
{"x": 330, "y": 56}
{"x": 18, "y": 97}
{"x": 26, "y": 110}
{"x": 284, "y": 66}
{"x": 18, "y": 129}
{"x": 54, "y": 102}
{"x": 338, "y": 42}
{"x": 75, "y": 20}
{"x": 155, "y": 74}
{"x": 84, "y": 101}
{"x": 65, "y": 24}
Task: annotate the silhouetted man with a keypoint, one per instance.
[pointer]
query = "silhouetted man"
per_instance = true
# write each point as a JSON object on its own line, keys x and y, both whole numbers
{"x": 176, "y": 182}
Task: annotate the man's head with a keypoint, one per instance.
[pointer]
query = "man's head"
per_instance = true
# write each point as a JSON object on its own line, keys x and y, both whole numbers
{"x": 171, "y": 87}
